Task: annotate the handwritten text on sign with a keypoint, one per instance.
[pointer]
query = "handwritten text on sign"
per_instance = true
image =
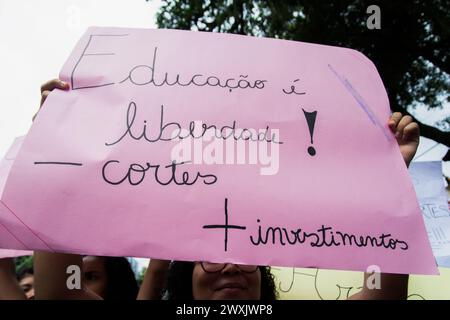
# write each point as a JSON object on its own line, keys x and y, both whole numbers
{"x": 196, "y": 146}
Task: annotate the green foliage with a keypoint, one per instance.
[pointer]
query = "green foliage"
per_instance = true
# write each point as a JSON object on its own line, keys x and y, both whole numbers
{"x": 23, "y": 263}
{"x": 141, "y": 275}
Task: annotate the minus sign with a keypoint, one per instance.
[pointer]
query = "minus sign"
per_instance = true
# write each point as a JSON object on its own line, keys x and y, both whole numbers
{"x": 61, "y": 163}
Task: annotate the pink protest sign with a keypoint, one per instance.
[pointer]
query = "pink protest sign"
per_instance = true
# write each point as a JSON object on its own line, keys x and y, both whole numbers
{"x": 200, "y": 146}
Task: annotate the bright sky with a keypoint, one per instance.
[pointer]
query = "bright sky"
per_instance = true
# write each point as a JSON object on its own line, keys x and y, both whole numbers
{"x": 37, "y": 37}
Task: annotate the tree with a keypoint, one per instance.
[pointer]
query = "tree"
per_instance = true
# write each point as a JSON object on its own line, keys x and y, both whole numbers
{"x": 411, "y": 50}
{"x": 141, "y": 276}
{"x": 22, "y": 263}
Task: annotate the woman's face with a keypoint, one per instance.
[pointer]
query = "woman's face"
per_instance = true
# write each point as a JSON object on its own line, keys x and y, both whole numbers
{"x": 27, "y": 285}
{"x": 94, "y": 275}
{"x": 228, "y": 284}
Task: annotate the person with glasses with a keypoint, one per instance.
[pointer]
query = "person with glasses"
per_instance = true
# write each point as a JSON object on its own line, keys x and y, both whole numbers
{"x": 219, "y": 281}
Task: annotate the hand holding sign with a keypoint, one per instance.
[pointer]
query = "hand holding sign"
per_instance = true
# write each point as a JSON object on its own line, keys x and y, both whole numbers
{"x": 407, "y": 134}
{"x": 49, "y": 86}
{"x": 190, "y": 146}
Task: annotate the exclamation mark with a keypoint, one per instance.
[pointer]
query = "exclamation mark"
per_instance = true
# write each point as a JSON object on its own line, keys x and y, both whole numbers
{"x": 311, "y": 120}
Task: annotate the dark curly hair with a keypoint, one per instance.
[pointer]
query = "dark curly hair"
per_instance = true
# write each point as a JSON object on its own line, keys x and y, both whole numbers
{"x": 179, "y": 282}
{"x": 25, "y": 272}
{"x": 122, "y": 284}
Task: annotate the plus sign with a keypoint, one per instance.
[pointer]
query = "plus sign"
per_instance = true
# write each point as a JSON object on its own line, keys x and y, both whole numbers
{"x": 225, "y": 226}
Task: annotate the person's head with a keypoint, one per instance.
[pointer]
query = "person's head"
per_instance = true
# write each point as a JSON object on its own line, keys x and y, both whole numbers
{"x": 26, "y": 282}
{"x": 212, "y": 281}
{"x": 110, "y": 277}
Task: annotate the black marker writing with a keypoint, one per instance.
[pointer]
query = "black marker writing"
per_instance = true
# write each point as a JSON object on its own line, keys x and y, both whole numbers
{"x": 173, "y": 130}
{"x": 311, "y": 120}
{"x": 135, "y": 174}
{"x": 324, "y": 236}
{"x": 149, "y": 76}
{"x": 84, "y": 54}
{"x": 58, "y": 163}
{"x": 225, "y": 226}
{"x": 293, "y": 89}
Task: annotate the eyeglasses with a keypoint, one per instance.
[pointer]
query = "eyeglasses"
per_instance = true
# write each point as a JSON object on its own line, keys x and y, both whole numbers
{"x": 210, "y": 267}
